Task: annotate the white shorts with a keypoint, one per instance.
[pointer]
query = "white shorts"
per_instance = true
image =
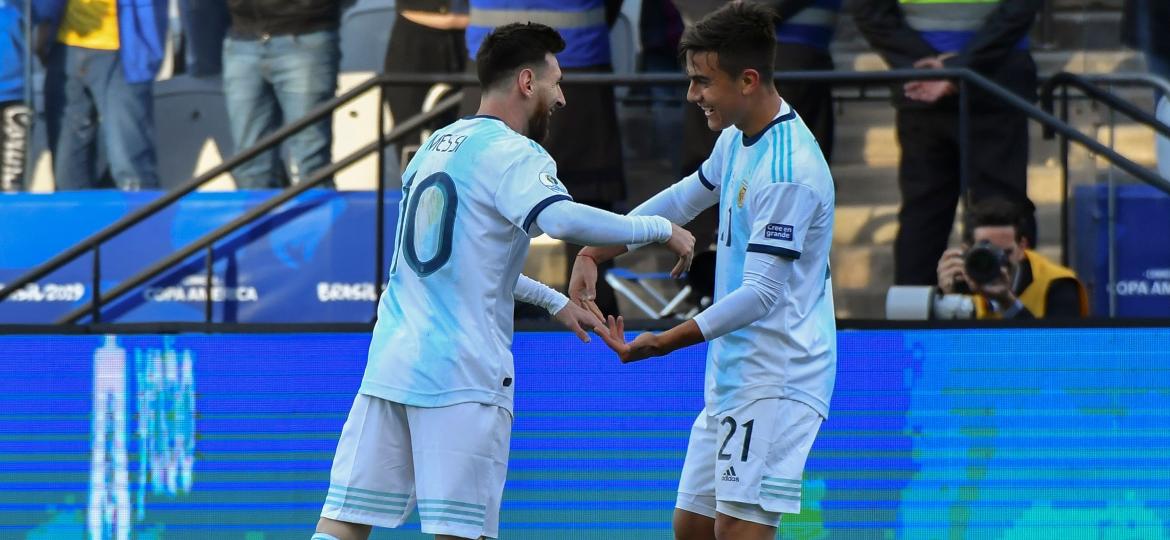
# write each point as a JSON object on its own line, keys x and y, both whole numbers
{"x": 748, "y": 462}
{"x": 450, "y": 461}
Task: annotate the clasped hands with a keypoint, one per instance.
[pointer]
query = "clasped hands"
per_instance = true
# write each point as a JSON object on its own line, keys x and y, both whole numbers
{"x": 930, "y": 91}
{"x": 582, "y": 308}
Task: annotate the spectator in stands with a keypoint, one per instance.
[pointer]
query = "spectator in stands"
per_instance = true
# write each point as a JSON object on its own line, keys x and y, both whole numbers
{"x": 100, "y": 60}
{"x": 428, "y": 37}
{"x": 1030, "y": 286}
{"x": 1145, "y": 26}
{"x": 14, "y": 112}
{"x": 205, "y": 25}
{"x": 989, "y": 37}
{"x": 280, "y": 60}
{"x": 804, "y": 30}
{"x": 584, "y": 138}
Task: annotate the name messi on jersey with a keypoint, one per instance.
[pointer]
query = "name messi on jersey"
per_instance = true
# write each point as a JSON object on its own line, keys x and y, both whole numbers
{"x": 446, "y": 143}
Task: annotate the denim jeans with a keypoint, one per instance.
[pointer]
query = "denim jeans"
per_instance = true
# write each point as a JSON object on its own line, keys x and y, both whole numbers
{"x": 87, "y": 98}
{"x": 272, "y": 82}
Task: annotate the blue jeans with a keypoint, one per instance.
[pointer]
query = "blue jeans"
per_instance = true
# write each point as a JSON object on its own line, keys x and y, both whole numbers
{"x": 87, "y": 98}
{"x": 272, "y": 82}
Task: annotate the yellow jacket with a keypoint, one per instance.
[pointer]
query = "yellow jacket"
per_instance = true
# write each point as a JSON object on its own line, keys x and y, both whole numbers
{"x": 1035, "y": 296}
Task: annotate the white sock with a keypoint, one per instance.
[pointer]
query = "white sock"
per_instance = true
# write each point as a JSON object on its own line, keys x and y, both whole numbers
{"x": 323, "y": 536}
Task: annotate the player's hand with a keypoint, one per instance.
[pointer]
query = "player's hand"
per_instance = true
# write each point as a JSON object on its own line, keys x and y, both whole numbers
{"x": 583, "y": 285}
{"x": 644, "y": 346}
{"x": 950, "y": 270}
{"x": 682, "y": 244}
{"x": 577, "y": 319}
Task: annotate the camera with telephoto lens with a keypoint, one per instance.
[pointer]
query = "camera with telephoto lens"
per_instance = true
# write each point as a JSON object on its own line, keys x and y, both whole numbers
{"x": 984, "y": 262}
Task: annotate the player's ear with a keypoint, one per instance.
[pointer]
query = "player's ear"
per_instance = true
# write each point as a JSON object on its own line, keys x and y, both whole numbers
{"x": 749, "y": 79}
{"x": 525, "y": 82}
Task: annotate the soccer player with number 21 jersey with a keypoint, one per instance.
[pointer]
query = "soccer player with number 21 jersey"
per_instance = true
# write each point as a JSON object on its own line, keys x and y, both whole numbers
{"x": 771, "y": 332}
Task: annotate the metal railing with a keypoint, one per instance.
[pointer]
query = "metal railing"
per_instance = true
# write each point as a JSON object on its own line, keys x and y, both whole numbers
{"x": 319, "y": 113}
{"x": 1097, "y": 88}
{"x": 966, "y": 80}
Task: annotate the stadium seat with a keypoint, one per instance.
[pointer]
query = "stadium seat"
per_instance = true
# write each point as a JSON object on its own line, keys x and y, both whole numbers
{"x": 193, "y": 132}
{"x": 355, "y": 125}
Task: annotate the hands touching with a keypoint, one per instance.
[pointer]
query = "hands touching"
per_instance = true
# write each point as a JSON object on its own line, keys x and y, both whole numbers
{"x": 644, "y": 346}
{"x": 583, "y": 294}
{"x": 578, "y": 319}
{"x": 933, "y": 90}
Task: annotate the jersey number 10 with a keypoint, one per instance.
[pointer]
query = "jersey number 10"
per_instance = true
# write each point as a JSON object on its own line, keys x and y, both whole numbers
{"x": 426, "y": 223}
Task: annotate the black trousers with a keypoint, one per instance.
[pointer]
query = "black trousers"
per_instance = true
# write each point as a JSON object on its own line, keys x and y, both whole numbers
{"x": 415, "y": 48}
{"x": 928, "y": 178}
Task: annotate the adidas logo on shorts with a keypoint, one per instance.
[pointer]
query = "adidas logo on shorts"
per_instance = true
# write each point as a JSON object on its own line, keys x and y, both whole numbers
{"x": 729, "y": 475}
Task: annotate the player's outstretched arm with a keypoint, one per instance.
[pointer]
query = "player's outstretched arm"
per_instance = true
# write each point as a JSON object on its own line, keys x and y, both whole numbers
{"x": 580, "y": 224}
{"x": 648, "y": 344}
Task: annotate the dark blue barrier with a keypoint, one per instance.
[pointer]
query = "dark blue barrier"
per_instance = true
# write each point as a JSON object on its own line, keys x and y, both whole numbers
{"x": 1141, "y": 244}
{"x": 1009, "y": 433}
{"x": 311, "y": 261}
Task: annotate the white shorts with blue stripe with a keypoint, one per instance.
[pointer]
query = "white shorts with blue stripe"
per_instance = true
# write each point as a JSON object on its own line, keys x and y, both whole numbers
{"x": 748, "y": 462}
{"x": 449, "y": 462}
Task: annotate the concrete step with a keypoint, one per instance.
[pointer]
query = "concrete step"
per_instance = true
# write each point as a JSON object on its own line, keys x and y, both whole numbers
{"x": 1110, "y": 60}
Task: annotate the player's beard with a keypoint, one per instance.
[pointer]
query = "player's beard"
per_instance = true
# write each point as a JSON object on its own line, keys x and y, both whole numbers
{"x": 538, "y": 124}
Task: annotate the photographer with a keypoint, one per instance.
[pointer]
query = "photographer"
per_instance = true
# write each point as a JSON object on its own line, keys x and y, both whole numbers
{"x": 1008, "y": 280}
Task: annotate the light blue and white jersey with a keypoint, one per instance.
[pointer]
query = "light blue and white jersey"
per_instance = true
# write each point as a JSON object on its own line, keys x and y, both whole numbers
{"x": 470, "y": 200}
{"x": 776, "y": 196}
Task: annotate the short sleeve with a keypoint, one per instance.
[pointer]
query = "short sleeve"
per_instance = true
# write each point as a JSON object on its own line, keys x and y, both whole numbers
{"x": 781, "y": 215}
{"x": 528, "y": 187}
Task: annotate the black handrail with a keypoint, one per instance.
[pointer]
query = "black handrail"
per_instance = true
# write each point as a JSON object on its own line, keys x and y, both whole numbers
{"x": 1066, "y": 79}
{"x": 966, "y": 78}
{"x": 1088, "y": 85}
{"x": 133, "y": 218}
{"x": 314, "y": 179}
{"x": 856, "y": 78}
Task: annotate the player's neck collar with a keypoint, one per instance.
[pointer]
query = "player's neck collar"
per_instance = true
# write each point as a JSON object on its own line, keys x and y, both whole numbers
{"x": 474, "y": 116}
{"x": 785, "y": 114}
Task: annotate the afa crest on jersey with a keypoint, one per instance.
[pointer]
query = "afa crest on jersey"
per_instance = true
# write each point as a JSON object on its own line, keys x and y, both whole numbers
{"x": 552, "y": 183}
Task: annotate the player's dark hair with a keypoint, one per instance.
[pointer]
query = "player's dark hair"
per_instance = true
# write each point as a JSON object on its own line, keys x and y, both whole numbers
{"x": 512, "y": 47}
{"x": 993, "y": 212}
{"x": 741, "y": 34}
